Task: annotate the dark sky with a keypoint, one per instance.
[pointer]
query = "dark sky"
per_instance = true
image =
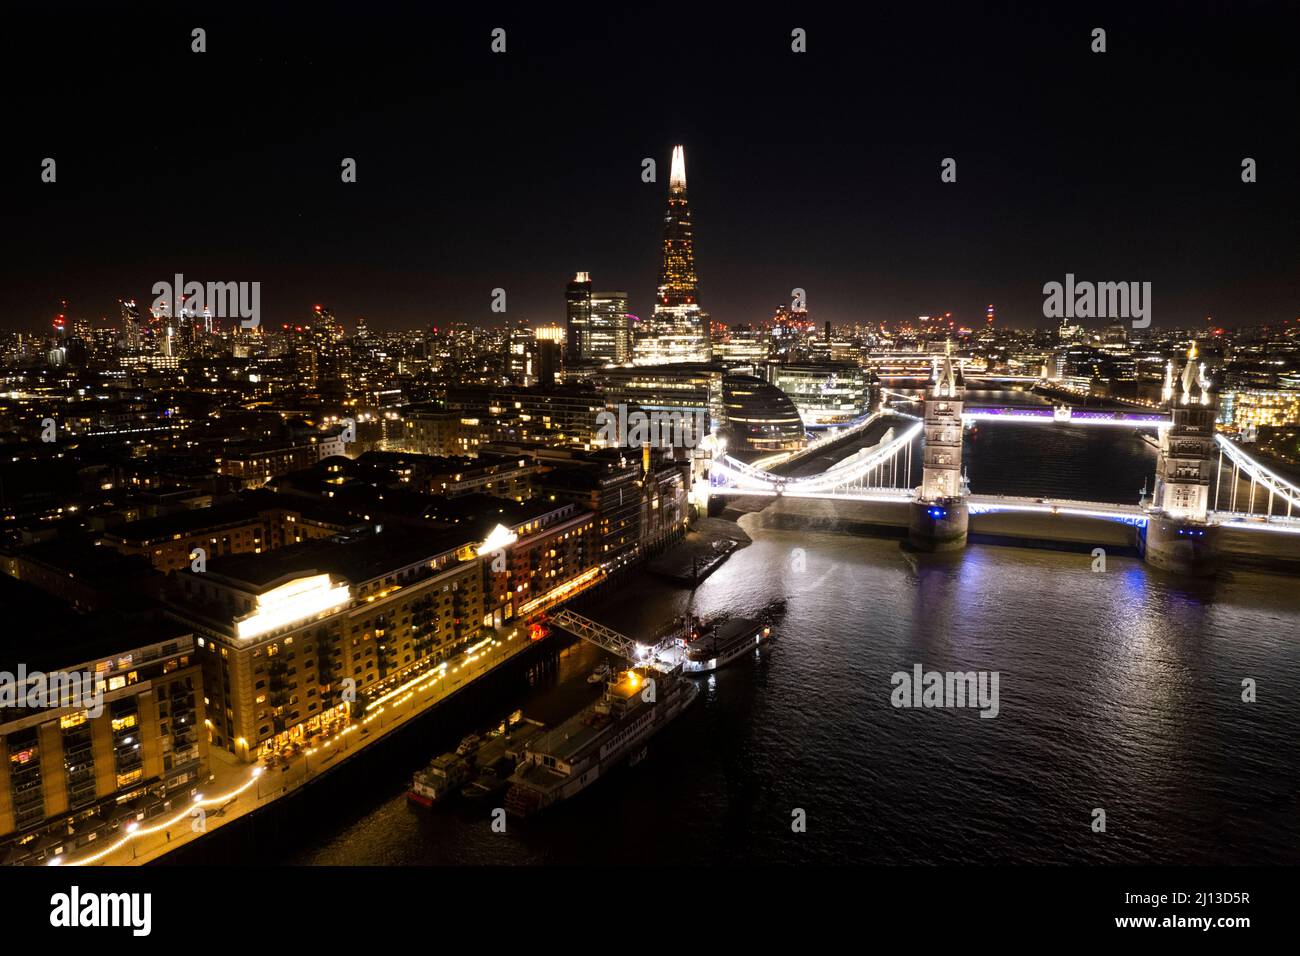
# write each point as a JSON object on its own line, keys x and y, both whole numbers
{"x": 818, "y": 170}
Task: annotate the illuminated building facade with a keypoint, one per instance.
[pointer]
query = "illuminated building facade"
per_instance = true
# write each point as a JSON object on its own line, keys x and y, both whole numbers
{"x": 825, "y": 393}
{"x": 74, "y": 777}
{"x": 544, "y": 357}
{"x": 559, "y": 415}
{"x": 577, "y": 309}
{"x": 282, "y": 636}
{"x": 678, "y": 330}
{"x": 532, "y": 557}
{"x": 437, "y": 431}
{"x": 612, "y": 491}
{"x": 685, "y": 387}
{"x": 746, "y": 346}
{"x": 609, "y": 338}
{"x": 760, "y": 417}
{"x": 1260, "y": 407}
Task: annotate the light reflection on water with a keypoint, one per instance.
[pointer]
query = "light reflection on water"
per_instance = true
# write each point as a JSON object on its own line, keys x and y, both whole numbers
{"x": 1118, "y": 690}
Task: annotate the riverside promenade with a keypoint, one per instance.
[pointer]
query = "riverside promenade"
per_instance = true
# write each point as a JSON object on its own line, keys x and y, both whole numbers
{"x": 235, "y": 789}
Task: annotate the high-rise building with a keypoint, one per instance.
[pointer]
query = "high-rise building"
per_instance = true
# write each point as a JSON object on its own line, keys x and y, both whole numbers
{"x": 543, "y": 361}
{"x": 608, "y": 338}
{"x": 133, "y": 329}
{"x": 519, "y": 345}
{"x": 577, "y": 307}
{"x": 320, "y": 350}
{"x": 678, "y": 331}
{"x": 596, "y": 324}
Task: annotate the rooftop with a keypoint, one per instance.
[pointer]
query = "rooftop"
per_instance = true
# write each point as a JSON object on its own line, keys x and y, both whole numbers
{"x": 356, "y": 561}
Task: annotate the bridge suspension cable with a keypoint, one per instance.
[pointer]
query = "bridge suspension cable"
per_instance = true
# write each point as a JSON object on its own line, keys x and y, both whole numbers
{"x": 865, "y": 469}
{"x": 1260, "y": 477}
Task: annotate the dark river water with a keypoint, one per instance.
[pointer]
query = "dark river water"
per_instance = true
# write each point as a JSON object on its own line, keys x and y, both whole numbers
{"x": 1119, "y": 690}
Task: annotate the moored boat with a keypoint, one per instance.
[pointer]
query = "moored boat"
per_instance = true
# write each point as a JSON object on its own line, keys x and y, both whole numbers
{"x": 480, "y": 765}
{"x": 720, "y": 644}
{"x": 444, "y": 774}
{"x": 565, "y": 761}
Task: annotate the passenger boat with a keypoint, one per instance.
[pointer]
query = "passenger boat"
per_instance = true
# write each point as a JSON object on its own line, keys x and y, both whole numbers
{"x": 718, "y": 645}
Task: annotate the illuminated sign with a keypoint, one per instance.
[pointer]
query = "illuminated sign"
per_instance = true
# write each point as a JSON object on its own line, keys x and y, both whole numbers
{"x": 290, "y": 603}
{"x": 498, "y": 539}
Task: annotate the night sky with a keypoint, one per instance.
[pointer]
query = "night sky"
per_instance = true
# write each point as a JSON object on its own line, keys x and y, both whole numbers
{"x": 818, "y": 170}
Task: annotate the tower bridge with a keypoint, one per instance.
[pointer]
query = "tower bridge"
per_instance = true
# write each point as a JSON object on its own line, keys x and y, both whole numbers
{"x": 1179, "y": 525}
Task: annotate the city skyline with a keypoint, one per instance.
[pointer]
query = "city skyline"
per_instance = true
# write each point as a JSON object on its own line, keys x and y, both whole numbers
{"x": 505, "y": 439}
{"x": 448, "y": 205}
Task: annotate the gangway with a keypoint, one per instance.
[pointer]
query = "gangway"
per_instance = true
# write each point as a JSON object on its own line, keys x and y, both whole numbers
{"x": 662, "y": 651}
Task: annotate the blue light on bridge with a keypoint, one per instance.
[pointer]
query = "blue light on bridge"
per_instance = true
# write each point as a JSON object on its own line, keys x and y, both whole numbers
{"x": 938, "y": 513}
{"x": 1191, "y": 532}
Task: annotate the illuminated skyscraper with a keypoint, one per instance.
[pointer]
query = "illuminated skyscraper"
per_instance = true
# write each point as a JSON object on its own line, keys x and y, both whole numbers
{"x": 678, "y": 331}
{"x": 577, "y": 307}
{"x": 608, "y": 338}
{"x": 543, "y": 359}
{"x": 597, "y": 328}
{"x": 133, "y": 329}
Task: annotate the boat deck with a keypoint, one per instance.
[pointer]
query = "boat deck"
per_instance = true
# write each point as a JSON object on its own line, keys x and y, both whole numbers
{"x": 510, "y": 744}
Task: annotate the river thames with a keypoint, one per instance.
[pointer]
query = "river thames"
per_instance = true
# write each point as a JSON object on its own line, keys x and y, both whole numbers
{"x": 1119, "y": 690}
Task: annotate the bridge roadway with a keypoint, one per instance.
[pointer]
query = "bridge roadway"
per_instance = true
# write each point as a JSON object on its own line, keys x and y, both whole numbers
{"x": 816, "y": 461}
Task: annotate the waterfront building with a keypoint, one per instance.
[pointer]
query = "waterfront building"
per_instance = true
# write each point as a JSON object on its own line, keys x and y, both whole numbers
{"x": 295, "y": 641}
{"x": 1260, "y": 407}
{"x": 744, "y": 347}
{"x": 73, "y": 776}
{"x": 827, "y": 393}
{"x": 685, "y": 387}
{"x": 610, "y": 488}
{"x": 760, "y": 417}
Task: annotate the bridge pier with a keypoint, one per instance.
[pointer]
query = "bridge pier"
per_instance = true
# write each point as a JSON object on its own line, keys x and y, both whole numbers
{"x": 939, "y": 525}
{"x": 1179, "y": 545}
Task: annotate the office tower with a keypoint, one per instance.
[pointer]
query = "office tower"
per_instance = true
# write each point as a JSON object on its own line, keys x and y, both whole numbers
{"x": 577, "y": 299}
{"x": 609, "y": 338}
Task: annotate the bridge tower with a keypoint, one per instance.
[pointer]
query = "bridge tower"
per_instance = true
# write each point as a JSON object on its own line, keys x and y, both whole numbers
{"x": 1178, "y": 536}
{"x": 939, "y": 517}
